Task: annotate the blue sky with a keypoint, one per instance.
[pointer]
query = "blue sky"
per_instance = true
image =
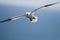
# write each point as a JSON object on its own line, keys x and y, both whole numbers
{"x": 47, "y": 27}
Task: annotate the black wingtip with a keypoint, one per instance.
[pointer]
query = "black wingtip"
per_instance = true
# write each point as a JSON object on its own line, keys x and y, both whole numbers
{"x": 51, "y": 4}
{"x": 5, "y": 20}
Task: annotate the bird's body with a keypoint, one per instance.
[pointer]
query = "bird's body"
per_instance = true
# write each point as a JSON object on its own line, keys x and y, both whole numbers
{"x": 29, "y": 15}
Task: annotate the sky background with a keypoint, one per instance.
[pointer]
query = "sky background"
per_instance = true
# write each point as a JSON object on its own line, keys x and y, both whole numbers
{"x": 46, "y": 28}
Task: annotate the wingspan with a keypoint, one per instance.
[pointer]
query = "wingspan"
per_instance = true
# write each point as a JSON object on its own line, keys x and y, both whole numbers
{"x": 43, "y": 7}
{"x": 10, "y": 19}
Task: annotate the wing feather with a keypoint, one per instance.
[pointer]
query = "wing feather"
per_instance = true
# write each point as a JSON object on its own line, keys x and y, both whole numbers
{"x": 10, "y": 19}
{"x": 43, "y": 7}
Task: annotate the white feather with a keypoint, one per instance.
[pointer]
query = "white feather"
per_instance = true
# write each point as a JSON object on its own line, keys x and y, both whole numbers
{"x": 34, "y": 20}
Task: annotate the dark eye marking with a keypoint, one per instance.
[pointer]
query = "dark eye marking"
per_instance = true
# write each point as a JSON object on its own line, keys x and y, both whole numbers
{"x": 33, "y": 17}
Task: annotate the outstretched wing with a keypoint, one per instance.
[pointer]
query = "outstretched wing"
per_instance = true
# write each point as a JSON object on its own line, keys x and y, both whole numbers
{"x": 43, "y": 7}
{"x": 10, "y": 19}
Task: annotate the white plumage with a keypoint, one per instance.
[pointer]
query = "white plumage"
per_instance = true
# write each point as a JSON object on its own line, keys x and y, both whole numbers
{"x": 29, "y": 15}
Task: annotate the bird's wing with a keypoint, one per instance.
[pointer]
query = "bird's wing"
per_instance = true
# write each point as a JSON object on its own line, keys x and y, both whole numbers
{"x": 43, "y": 7}
{"x": 10, "y": 19}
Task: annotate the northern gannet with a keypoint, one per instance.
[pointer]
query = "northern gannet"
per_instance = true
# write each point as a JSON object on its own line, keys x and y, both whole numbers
{"x": 29, "y": 15}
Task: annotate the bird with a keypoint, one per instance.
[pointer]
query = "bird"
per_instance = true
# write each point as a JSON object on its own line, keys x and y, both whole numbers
{"x": 29, "y": 15}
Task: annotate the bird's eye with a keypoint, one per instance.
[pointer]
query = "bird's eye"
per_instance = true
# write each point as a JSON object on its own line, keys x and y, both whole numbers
{"x": 33, "y": 17}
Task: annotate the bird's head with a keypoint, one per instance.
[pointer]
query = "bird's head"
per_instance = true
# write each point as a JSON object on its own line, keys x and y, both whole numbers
{"x": 34, "y": 19}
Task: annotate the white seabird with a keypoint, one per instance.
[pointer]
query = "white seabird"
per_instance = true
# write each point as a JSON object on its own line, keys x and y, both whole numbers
{"x": 29, "y": 15}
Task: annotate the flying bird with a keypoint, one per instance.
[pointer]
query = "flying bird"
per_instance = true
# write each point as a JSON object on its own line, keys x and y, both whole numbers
{"x": 29, "y": 15}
